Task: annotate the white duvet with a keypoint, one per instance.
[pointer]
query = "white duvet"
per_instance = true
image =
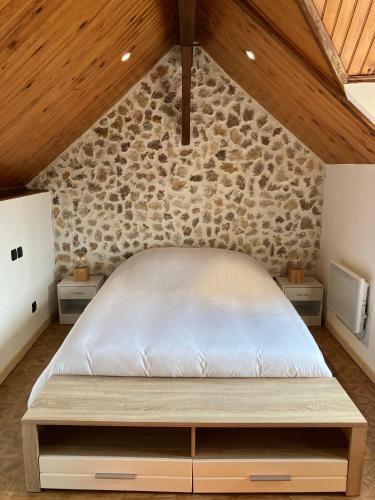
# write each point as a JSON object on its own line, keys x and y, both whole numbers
{"x": 180, "y": 312}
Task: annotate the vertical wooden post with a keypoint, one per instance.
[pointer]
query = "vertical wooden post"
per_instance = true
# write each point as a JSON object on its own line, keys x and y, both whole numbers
{"x": 186, "y": 62}
{"x": 187, "y": 10}
{"x": 357, "y": 446}
{"x": 31, "y": 456}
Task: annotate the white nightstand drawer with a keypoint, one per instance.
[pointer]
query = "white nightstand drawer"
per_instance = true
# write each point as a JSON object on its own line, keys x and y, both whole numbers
{"x": 76, "y": 292}
{"x": 303, "y": 293}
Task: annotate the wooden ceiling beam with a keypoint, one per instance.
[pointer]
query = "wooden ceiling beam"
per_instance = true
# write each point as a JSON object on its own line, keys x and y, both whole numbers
{"x": 186, "y": 62}
{"x": 323, "y": 39}
{"x": 187, "y": 14}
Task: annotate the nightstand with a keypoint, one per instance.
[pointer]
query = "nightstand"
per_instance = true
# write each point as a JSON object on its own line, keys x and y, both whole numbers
{"x": 73, "y": 297}
{"x": 307, "y": 298}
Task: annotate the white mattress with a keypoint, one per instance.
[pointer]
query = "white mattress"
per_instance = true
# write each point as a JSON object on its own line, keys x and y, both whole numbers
{"x": 179, "y": 312}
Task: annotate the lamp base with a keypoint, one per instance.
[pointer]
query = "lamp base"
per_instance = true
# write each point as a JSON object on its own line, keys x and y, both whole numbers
{"x": 296, "y": 276}
{"x": 81, "y": 274}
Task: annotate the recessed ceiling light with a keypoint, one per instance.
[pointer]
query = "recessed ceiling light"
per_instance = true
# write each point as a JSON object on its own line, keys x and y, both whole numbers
{"x": 250, "y": 54}
{"x": 125, "y": 56}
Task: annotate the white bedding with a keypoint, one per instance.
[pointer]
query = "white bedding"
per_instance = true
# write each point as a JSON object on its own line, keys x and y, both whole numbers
{"x": 179, "y": 312}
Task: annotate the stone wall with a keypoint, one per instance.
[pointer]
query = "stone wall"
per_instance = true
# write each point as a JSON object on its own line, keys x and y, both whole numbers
{"x": 245, "y": 182}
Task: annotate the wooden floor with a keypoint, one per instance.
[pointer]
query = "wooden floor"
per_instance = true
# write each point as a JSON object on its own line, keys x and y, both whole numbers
{"x": 16, "y": 388}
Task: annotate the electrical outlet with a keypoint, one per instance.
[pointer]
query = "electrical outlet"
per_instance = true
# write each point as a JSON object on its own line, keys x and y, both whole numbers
{"x": 34, "y": 306}
{"x": 13, "y": 254}
{"x": 19, "y": 252}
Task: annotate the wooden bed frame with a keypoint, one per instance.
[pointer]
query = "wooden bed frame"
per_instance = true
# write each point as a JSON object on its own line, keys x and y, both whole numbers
{"x": 194, "y": 435}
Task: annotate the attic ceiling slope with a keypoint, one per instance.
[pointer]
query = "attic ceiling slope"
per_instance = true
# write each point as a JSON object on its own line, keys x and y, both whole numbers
{"x": 351, "y": 25}
{"x": 287, "y": 17}
{"x": 284, "y": 83}
{"x": 61, "y": 70}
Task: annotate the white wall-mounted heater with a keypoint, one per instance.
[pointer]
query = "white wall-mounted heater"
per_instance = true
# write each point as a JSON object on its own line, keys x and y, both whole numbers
{"x": 347, "y": 297}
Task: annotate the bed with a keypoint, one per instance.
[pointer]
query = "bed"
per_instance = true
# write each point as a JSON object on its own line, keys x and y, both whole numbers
{"x": 190, "y": 371}
{"x": 188, "y": 312}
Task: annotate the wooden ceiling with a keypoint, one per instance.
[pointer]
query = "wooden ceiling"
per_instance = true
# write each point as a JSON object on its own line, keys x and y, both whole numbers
{"x": 287, "y": 85}
{"x": 61, "y": 70}
{"x": 351, "y": 25}
{"x": 287, "y": 17}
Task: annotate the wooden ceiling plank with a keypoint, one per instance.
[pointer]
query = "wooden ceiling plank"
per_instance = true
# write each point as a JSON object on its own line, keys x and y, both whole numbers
{"x": 323, "y": 39}
{"x": 19, "y": 15}
{"x": 39, "y": 71}
{"x": 29, "y": 63}
{"x": 31, "y": 137}
{"x": 364, "y": 43}
{"x": 322, "y": 120}
{"x": 76, "y": 39}
{"x": 368, "y": 67}
{"x": 79, "y": 60}
{"x": 351, "y": 25}
{"x": 28, "y": 31}
{"x": 320, "y": 6}
{"x": 330, "y": 15}
{"x": 355, "y": 29}
{"x": 71, "y": 88}
{"x": 90, "y": 84}
{"x": 113, "y": 62}
{"x": 61, "y": 141}
{"x": 343, "y": 23}
{"x": 76, "y": 124}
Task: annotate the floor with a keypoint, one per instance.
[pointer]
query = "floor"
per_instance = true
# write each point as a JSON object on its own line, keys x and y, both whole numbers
{"x": 16, "y": 388}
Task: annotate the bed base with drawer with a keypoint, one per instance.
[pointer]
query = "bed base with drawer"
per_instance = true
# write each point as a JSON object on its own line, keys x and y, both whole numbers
{"x": 194, "y": 435}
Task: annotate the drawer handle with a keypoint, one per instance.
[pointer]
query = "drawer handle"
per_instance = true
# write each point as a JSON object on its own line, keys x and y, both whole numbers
{"x": 114, "y": 475}
{"x": 302, "y": 294}
{"x": 266, "y": 477}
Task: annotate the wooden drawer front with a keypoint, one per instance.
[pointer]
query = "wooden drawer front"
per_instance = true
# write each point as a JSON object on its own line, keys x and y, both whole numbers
{"x": 244, "y": 485}
{"x": 58, "y": 464}
{"x": 245, "y": 468}
{"x": 236, "y": 476}
{"x": 140, "y": 483}
{"x": 115, "y": 473}
{"x": 303, "y": 293}
{"x": 76, "y": 292}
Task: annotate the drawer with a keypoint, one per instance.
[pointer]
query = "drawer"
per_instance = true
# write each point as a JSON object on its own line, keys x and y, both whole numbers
{"x": 67, "y": 464}
{"x": 76, "y": 292}
{"x": 303, "y": 293}
{"x": 139, "y": 483}
{"x": 267, "y": 475}
{"x": 115, "y": 473}
{"x": 294, "y": 485}
{"x": 293, "y": 467}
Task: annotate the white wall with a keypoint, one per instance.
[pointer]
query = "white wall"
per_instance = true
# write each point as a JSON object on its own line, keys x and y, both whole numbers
{"x": 25, "y": 221}
{"x": 348, "y": 237}
{"x": 362, "y": 95}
